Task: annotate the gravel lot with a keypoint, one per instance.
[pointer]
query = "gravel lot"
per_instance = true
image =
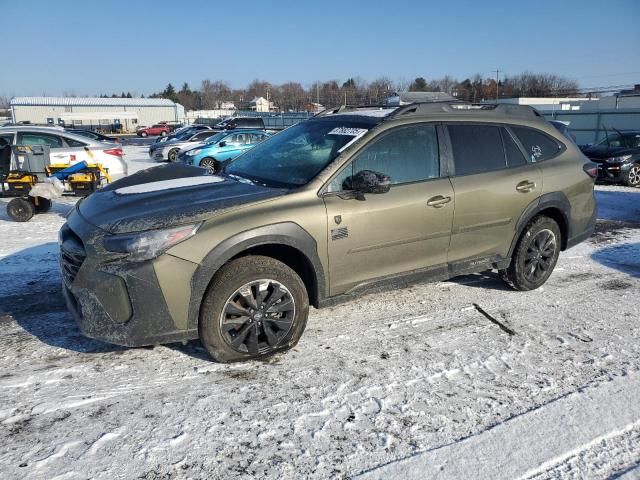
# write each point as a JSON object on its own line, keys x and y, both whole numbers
{"x": 373, "y": 383}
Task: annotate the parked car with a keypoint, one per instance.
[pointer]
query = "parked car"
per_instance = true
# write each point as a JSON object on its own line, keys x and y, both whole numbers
{"x": 618, "y": 158}
{"x": 564, "y": 129}
{"x": 68, "y": 148}
{"x": 318, "y": 213}
{"x": 221, "y": 148}
{"x": 235, "y": 123}
{"x": 183, "y": 131}
{"x": 94, "y": 135}
{"x": 168, "y": 151}
{"x": 161, "y": 129}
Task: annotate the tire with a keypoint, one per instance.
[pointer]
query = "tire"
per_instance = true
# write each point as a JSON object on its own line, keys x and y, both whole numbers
{"x": 172, "y": 156}
{"x": 143, "y": 134}
{"x": 163, "y": 134}
{"x": 535, "y": 256}
{"x": 20, "y": 210}
{"x": 211, "y": 164}
{"x": 233, "y": 330}
{"x": 632, "y": 179}
{"x": 43, "y": 206}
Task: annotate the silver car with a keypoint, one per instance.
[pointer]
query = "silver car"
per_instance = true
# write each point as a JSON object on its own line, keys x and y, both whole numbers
{"x": 169, "y": 150}
{"x": 68, "y": 148}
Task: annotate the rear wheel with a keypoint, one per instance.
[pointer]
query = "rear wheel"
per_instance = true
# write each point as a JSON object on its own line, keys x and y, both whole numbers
{"x": 254, "y": 307}
{"x": 20, "y": 210}
{"x": 43, "y": 205}
{"x": 173, "y": 154}
{"x": 163, "y": 134}
{"x": 535, "y": 256}
{"x": 210, "y": 164}
{"x": 633, "y": 177}
{"x": 143, "y": 134}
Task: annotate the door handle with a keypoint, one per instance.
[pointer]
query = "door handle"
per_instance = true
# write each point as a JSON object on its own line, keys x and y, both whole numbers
{"x": 525, "y": 186}
{"x": 438, "y": 201}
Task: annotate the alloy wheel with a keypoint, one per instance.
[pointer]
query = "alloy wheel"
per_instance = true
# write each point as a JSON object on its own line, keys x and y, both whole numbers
{"x": 634, "y": 175}
{"x": 258, "y": 317}
{"x": 540, "y": 255}
{"x": 209, "y": 164}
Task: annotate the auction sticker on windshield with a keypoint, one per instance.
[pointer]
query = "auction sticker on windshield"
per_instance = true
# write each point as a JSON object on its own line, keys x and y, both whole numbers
{"x": 351, "y": 132}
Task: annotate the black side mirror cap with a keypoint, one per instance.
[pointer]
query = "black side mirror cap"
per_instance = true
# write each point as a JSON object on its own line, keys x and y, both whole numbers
{"x": 368, "y": 181}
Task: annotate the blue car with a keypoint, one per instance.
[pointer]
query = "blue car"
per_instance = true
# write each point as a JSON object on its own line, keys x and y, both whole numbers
{"x": 222, "y": 147}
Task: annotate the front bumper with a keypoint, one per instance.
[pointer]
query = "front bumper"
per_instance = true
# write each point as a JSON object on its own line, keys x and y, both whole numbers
{"x": 115, "y": 301}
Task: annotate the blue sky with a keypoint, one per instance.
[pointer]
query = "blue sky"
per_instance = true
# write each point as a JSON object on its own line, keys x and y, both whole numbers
{"x": 90, "y": 47}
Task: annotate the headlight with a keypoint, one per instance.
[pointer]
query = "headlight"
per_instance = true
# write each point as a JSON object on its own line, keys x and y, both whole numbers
{"x": 147, "y": 245}
{"x": 621, "y": 159}
{"x": 194, "y": 152}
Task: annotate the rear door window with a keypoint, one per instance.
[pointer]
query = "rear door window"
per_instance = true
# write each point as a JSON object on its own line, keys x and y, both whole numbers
{"x": 54, "y": 141}
{"x": 476, "y": 148}
{"x": 539, "y": 146}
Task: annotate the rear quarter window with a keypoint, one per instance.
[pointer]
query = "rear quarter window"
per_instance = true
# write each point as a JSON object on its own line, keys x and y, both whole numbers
{"x": 539, "y": 146}
{"x": 476, "y": 148}
{"x": 74, "y": 143}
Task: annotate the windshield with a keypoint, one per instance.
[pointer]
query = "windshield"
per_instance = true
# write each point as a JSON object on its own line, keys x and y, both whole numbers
{"x": 297, "y": 154}
{"x": 216, "y": 138}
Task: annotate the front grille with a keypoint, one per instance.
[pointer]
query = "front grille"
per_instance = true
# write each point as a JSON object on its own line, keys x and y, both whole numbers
{"x": 72, "y": 254}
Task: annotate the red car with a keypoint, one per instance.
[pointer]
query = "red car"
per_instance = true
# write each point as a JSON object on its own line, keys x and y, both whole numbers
{"x": 158, "y": 129}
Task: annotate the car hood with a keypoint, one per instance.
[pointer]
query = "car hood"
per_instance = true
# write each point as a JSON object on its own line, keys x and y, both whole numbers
{"x": 602, "y": 152}
{"x": 168, "y": 195}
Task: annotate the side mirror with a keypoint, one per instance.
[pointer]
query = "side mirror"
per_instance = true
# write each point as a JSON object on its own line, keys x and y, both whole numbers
{"x": 222, "y": 144}
{"x": 368, "y": 181}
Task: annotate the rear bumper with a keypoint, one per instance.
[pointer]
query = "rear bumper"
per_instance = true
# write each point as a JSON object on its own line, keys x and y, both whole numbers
{"x": 612, "y": 173}
{"x": 584, "y": 234}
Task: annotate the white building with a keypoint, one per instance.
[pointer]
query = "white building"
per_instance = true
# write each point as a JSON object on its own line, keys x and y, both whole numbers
{"x": 129, "y": 113}
{"x": 261, "y": 104}
{"x": 551, "y": 104}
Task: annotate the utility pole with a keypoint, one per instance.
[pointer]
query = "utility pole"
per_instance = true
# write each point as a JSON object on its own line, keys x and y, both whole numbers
{"x": 318, "y": 93}
{"x": 497, "y": 86}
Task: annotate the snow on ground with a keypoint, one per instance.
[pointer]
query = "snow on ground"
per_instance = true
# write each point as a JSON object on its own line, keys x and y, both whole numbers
{"x": 375, "y": 387}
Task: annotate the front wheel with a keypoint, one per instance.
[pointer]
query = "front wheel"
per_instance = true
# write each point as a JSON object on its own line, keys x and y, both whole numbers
{"x": 210, "y": 164}
{"x": 633, "y": 177}
{"x": 143, "y": 134}
{"x": 535, "y": 256}
{"x": 254, "y": 307}
{"x": 163, "y": 134}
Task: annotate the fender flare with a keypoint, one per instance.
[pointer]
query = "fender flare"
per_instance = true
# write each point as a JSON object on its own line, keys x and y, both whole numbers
{"x": 287, "y": 233}
{"x": 556, "y": 200}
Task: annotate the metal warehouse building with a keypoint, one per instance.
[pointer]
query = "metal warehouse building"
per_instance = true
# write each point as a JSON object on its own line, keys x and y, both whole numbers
{"x": 125, "y": 114}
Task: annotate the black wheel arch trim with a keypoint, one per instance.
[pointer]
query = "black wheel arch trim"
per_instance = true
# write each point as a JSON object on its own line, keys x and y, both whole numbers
{"x": 555, "y": 200}
{"x": 288, "y": 234}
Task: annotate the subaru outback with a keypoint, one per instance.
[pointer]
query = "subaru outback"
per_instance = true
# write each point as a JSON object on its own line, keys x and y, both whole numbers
{"x": 351, "y": 199}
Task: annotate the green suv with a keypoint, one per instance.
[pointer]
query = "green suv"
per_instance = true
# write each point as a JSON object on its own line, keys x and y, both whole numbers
{"x": 353, "y": 198}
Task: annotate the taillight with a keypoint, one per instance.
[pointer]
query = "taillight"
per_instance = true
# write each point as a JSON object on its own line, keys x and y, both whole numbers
{"x": 591, "y": 169}
{"x": 113, "y": 151}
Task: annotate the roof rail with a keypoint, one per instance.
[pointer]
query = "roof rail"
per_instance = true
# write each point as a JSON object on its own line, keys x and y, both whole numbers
{"x": 351, "y": 108}
{"x": 497, "y": 109}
